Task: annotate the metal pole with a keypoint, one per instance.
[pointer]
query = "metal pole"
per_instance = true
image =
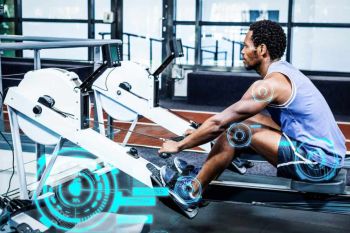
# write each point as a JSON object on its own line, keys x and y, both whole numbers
{"x": 225, "y": 57}
{"x": 110, "y": 130}
{"x": 57, "y": 44}
{"x": 2, "y": 124}
{"x": 216, "y": 51}
{"x": 96, "y": 126}
{"x": 91, "y": 26}
{"x": 187, "y": 49}
{"x": 1, "y": 87}
{"x": 18, "y": 23}
{"x": 37, "y": 62}
{"x": 117, "y": 25}
{"x": 17, "y": 150}
{"x": 233, "y": 54}
{"x": 39, "y": 149}
{"x": 47, "y": 171}
{"x": 98, "y": 114}
{"x": 40, "y": 160}
{"x": 198, "y": 37}
{"x": 96, "y": 57}
{"x": 131, "y": 129}
{"x": 129, "y": 47}
{"x": 289, "y": 30}
{"x": 150, "y": 52}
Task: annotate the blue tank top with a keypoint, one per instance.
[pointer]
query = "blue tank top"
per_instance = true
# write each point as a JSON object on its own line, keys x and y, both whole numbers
{"x": 306, "y": 117}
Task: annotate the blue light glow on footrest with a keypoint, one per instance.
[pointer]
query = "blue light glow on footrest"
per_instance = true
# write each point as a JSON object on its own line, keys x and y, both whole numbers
{"x": 134, "y": 219}
{"x": 151, "y": 192}
{"x": 137, "y": 201}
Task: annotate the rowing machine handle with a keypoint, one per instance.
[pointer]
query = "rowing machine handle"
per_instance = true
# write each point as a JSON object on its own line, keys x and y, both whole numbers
{"x": 177, "y": 138}
{"x": 164, "y": 155}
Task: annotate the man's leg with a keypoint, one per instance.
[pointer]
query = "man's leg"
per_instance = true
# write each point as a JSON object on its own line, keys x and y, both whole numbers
{"x": 265, "y": 141}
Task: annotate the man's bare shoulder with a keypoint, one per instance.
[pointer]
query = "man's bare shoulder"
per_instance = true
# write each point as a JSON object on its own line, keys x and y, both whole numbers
{"x": 273, "y": 88}
{"x": 281, "y": 85}
{"x": 277, "y": 78}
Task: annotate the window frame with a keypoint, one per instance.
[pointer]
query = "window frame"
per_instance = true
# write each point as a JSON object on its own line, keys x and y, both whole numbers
{"x": 290, "y": 24}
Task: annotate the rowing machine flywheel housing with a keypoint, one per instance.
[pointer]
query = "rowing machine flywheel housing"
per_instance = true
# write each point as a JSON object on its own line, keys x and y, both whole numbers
{"x": 61, "y": 86}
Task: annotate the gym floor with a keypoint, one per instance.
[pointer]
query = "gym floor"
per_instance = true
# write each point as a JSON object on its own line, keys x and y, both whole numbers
{"x": 230, "y": 217}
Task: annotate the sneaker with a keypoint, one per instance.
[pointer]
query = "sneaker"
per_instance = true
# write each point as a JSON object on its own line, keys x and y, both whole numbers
{"x": 168, "y": 176}
{"x": 184, "y": 168}
{"x": 240, "y": 166}
{"x": 181, "y": 193}
{"x": 189, "y": 170}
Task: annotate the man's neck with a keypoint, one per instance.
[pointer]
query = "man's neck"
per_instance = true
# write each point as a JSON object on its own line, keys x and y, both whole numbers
{"x": 264, "y": 66}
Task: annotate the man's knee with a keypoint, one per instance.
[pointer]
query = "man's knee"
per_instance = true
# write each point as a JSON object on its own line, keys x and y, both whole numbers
{"x": 221, "y": 143}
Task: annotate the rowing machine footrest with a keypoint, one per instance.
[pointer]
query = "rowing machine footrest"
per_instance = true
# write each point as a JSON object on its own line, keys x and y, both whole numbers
{"x": 335, "y": 186}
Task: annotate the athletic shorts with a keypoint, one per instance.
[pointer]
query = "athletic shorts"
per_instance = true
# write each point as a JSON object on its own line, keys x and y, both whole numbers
{"x": 293, "y": 163}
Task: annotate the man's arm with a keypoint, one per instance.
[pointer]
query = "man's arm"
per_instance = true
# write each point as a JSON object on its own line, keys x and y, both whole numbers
{"x": 249, "y": 105}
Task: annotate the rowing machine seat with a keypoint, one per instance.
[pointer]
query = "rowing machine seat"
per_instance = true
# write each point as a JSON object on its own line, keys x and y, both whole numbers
{"x": 335, "y": 186}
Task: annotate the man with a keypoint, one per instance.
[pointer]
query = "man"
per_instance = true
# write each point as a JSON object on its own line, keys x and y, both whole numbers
{"x": 300, "y": 137}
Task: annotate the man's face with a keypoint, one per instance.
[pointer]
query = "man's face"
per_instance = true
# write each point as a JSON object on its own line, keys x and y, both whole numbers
{"x": 250, "y": 57}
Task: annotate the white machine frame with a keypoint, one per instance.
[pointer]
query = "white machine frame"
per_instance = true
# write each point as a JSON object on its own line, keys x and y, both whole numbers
{"x": 141, "y": 97}
{"x": 117, "y": 99}
{"x": 88, "y": 139}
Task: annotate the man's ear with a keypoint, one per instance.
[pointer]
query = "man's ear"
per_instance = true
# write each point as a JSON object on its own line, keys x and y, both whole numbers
{"x": 262, "y": 49}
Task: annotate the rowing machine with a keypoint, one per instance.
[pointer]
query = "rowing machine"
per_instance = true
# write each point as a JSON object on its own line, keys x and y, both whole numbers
{"x": 330, "y": 197}
{"x": 128, "y": 90}
{"x": 40, "y": 109}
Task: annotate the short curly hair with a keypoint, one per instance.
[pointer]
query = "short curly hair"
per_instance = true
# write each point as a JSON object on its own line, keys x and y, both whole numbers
{"x": 272, "y": 35}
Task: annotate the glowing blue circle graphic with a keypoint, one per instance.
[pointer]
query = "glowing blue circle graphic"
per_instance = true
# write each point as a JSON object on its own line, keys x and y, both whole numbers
{"x": 78, "y": 200}
{"x": 239, "y": 135}
{"x": 75, "y": 190}
{"x": 185, "y": 185}
{"x": 324, "y": 174}
{"x": 262, "y": 92}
